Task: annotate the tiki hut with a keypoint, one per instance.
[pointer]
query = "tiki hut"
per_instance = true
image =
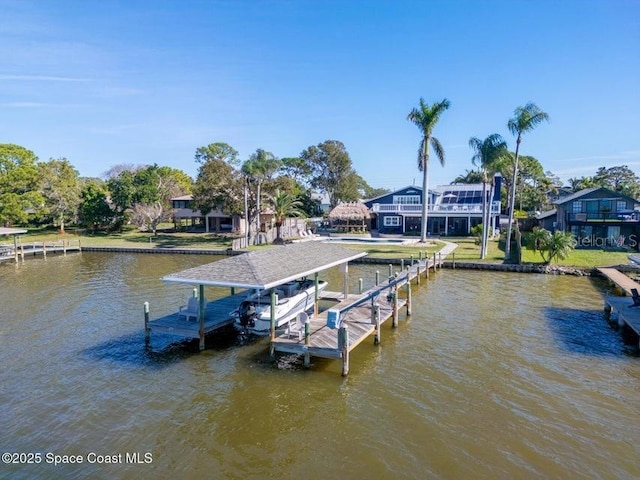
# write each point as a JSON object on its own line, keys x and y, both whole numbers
{"x": 347, "y": 217}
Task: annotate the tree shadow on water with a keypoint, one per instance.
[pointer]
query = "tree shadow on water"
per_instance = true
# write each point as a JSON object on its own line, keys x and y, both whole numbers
{"x": 161, "y": 351}
{"x": 587, "y": 332}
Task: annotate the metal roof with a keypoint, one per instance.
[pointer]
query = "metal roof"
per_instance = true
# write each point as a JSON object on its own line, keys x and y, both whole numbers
{"x": 268, "y": 268}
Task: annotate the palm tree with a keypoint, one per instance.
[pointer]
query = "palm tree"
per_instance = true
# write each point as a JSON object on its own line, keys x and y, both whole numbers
{"x": 525, "y": 119}
{"x": 284, "y": 205}
{"x": 425, "y": 118}
{"x": 260, "y": 167}
{"x": 488, "y": 153}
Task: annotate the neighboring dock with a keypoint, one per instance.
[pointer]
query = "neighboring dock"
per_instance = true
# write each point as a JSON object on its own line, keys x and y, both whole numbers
{"x": 622, "y": 309}
{"x": 10, "y": 252}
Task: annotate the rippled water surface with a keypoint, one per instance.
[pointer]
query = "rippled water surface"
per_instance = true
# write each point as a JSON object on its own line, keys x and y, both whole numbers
{"x": 494, "y": 376}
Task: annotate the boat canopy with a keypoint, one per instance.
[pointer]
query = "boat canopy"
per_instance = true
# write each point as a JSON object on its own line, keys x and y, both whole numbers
{"x": 263, "y": 269}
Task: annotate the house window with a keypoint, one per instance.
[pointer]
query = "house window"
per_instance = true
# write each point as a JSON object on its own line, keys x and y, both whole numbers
{"x": 392, "y": 221}
{"x": 577, "y": 207}
{"x": 621, "y": 205}
{"x": 406, "y": 199}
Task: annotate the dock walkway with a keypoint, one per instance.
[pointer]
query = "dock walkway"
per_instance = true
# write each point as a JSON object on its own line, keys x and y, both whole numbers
{"x": 16, "y": 252}
{"x": 361, "y": 316}
{"x": 622, "y": 310}
{"x": 619, "y": 278}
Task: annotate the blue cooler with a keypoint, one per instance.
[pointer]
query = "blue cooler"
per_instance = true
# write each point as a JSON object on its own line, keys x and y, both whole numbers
{"x": 333, "y": 318}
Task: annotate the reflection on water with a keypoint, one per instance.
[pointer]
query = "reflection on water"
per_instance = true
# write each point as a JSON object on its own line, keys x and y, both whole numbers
{"x": 495, "y": 376}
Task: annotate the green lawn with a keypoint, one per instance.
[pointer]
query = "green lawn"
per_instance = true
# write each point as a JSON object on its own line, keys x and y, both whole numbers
{"x": 467, "y": 249}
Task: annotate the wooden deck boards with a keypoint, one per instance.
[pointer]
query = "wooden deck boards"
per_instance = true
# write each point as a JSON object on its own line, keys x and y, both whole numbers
{"x": 619, "y": 278}
{"x": 216, "y": 315}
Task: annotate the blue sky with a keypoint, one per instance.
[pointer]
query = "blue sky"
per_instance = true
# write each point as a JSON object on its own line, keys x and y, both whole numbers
{"x": 111, "y": 82}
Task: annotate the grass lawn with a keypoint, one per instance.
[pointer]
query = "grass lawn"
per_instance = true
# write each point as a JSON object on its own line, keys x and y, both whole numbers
{"x": 467, "y": 249}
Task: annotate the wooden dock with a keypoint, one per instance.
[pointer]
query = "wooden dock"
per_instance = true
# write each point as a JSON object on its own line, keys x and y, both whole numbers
{"x": 361, "y": 316}
{"x": 621, "y": 309}
{"x": 20, "y": 251}
{"x": 216, "y": 316}
{"x": 620, "y": 279}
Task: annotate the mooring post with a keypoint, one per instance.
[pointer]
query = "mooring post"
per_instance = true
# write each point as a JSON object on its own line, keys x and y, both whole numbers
{"x": 233, "y": 290}
{"x": 201, "y": 308}
{"x": 434, "y": 261}
{"x": 418, "y": 274}
{"x": 394, "y": 321}
{"x": 15, "y": 247}
{"x": 377, "y": 277}
{"x": 411, "y": 257}
{"x": 22, "y": 251}
{"x": 375, "y": 312}
{"x": 316, "y": 294}
{"x": 440, "y": 259}
{"x": 343, "y": 344}
{"x": 453, "y": 256}
{"x": 390, "y": 270}
{"x": 44, "y": 250}
{"x": 409, "y": 298}
{"x": 402, "y": 264}
{"x": 307, "y": 341}
{"x": 146, "y": 323}
{"x": 360, "y": 285}
{"x": 64, "y": 248}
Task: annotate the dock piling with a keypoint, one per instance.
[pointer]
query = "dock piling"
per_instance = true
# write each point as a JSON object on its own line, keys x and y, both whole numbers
{"x": 360, "y": 285}
{"x": 409, "y": 298}
{"x": 146, "y": 323}
{"x": 377, "y": 277}
{"x": 307, "y": 342}
{"x": 390, "y": 270}
{"x": 375, "y": 313}
{"x": 343, "y": 345}
{"x": 394, "y": 321}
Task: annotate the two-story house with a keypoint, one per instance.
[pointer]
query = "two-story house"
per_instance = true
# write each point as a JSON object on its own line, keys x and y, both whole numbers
{"x": 452, "y": 209}
{"x": 214, "y": 221}
{"x": 597, "y": 217}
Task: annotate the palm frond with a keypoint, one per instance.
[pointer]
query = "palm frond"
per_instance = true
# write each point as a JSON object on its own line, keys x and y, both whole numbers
{"x": 438, "y": 150}
{"x": 526, "y": 119}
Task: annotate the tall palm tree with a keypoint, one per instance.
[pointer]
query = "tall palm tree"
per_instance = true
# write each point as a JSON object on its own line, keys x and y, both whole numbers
{"x": 425, "y": 118}
{"x": 488, "y": 153}
{"x": 284, "y": 205}
{"x": 260, "y": 167}
{"x": 525, "y": 120}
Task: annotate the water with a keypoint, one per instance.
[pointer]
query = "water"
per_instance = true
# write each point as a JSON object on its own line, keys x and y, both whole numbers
{"x": 495, "y": 376}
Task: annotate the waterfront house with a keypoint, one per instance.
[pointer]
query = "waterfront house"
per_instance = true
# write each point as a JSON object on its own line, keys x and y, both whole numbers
{"x": 452, "y": 209}
{"x": 214, "y": 221}
{"x": 597, "y": 217}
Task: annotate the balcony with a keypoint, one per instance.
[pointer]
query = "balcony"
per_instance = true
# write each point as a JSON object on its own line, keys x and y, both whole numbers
{"x": 471, "y": 208}
{"x": 624, "y": 216}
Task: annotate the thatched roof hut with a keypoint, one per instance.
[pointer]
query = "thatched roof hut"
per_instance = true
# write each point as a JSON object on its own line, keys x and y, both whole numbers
{"x": 350, "y": 215}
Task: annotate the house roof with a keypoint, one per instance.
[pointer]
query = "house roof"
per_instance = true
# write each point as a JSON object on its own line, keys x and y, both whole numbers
{"x": 587, "y": 191}
{"x": 268, "y": 268}
{"x": 547, "y": 214}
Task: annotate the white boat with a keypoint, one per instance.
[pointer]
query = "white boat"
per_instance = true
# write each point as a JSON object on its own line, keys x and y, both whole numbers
{"x": 254, "y": 313}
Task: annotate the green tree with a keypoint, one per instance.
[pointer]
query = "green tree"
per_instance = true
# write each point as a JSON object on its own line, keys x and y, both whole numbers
{"x": 469, "y": 176}
{"x": 488, "y": 154}
{"x": 368, "y": 191}
{"x": 218, "y": 186}
{"x": 425, "y": 117}
{"x": 525, "y": 119}
{"x": 61, "y": 189}
{"x": 19, "y": 185}
{"x": 284, "y": 205}
{"x": 94, "y": 211}
{"x": 620, "y": 179}
{"x": 551, "y": 246}
{"x": 297, "y": 169}
{"x": 218, "y": 151}
{"x": 333, "y": 171}
{"x": 260, "y": 167}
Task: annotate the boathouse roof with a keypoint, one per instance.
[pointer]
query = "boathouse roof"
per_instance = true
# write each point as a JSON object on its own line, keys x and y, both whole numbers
{"x": 268, "y": 268}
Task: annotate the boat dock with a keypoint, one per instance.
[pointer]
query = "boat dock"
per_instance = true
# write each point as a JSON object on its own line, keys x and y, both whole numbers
{"x": 216, "y": 316}
{"x": 622, "y": 309}
{"x": 332, "y": 333}
{"x": 20, "y": 251}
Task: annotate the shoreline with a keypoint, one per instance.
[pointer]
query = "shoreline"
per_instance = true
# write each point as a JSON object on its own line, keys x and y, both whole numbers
{"x": 450, "y": 264}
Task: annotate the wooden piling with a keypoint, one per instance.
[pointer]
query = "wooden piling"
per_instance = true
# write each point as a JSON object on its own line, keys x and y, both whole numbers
{"x": 390, "y": 270}
{"x": 343, "y": 345}
{"x": 402, "y": 264}
{"x": 201, "y": 316}
{"x": 435, "y": 264}
{"x": 147, "y": 332}
{"x": 453, "y": 260}
{"x": 44, "y": 250}
{"x": 394, "y": 321}
{"x": 360, "y": 285}
{"x": 409, "y": 299}
{"x": 307, "y": 342}
{"x": 377, "y": 277}
{"x": 375, "y": 313}
{"x": 418, "y": 274}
